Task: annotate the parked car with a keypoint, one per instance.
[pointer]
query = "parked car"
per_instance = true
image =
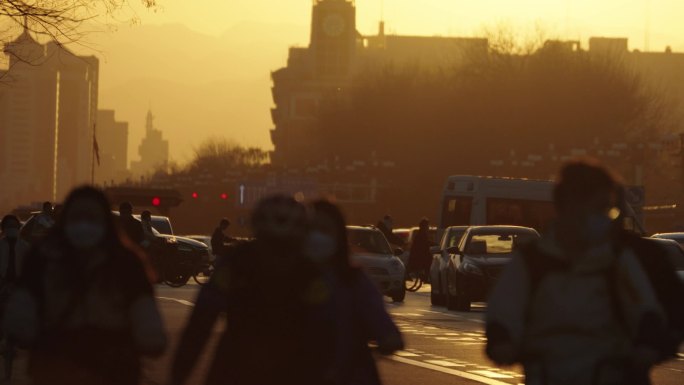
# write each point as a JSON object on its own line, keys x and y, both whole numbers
{"x": 476, "y": 264}
{"x": 451, "y": 237}
{"x": 369, "y": 249}
{"x": 675, "y": 252}
{"x": 677, "y": 237}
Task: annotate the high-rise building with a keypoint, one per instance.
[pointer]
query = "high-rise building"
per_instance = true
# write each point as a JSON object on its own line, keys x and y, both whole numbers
{"x": 49, "y": 106}
{"x": 153, "y": 150}
{"x": 112, "y": 140}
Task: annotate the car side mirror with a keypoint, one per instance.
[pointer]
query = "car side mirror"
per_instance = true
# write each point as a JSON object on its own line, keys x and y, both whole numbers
{"x": 453, "y": 250}
{"x": 398, "y": 251}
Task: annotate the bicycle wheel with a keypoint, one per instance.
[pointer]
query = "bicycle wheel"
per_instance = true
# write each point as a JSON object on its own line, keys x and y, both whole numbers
{"x": 413, "y": 282}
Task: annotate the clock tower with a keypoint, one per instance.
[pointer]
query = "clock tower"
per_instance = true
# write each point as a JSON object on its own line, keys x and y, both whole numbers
{"x": 333, "y": 38}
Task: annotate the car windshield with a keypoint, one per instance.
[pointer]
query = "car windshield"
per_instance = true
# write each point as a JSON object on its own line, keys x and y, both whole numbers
{"x": 368, "y": 241}
{"x": 498, "y": 243}
{"x": 454, "y": 238}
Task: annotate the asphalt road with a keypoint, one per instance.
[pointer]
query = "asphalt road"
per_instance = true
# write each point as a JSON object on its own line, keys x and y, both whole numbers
{"x": 443, "y": 347}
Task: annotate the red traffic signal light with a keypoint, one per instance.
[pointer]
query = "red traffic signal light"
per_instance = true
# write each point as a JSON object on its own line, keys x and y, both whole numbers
{"x": 156, "y": 201}
{"x": 224, "y": 196}
{"x": 195, "y": 195}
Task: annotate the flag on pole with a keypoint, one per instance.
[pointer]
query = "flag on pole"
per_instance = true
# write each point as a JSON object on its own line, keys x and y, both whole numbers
{"x": 96, "y": 147}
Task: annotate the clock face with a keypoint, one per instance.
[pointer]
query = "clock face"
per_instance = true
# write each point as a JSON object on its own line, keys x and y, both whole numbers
{"x": 334, "y": 25}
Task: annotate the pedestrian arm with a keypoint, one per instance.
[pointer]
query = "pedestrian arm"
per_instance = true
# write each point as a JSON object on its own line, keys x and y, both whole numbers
{"x": 377, "y": 321}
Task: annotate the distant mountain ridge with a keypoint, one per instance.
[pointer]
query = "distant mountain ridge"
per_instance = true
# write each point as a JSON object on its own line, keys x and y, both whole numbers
{"x": 197, "y": 85}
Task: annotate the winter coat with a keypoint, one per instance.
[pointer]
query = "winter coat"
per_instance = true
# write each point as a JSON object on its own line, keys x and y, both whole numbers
{"x": 580, "y": 321}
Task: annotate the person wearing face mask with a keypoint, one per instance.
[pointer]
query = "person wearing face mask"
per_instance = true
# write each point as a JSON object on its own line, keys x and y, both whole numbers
{"x": 84, "y": 305}
{"x": 576, "y": 307}
{"x": 360, "y": 316}
{"x": 276, "y": 330}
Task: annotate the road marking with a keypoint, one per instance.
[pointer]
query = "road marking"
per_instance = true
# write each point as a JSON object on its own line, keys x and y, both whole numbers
{"x": 406, "y": 354}
{"x": 180, "y": 301}
{"x": 444, "y": 363}
{"x": 490, "y": 374}
{"x": 452, "y": 315}
{"x": 453, "y": 372}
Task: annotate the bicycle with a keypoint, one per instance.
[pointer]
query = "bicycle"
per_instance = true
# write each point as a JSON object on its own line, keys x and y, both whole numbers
{"x": 414, "y": 280}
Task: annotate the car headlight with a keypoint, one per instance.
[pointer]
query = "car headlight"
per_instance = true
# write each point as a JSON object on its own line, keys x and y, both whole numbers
{"x": 470, "y": 268}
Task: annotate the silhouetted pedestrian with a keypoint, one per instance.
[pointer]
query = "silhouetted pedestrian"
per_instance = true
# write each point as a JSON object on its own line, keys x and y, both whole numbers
{"x": 576, "y": 307}
{"x": 360, "y": 314}
{"x": 270, "y": 293}
{"x": 420, "y": 258}
{"x": 12, "y": 250}
{"x": 131, "y": 227}
{"x": 386, "y": 226}
{"x": 148, "y": 229}
{"x": 220, "y": 238}
{"x": 38, "y": 228}
{"x": 84, "y": 305}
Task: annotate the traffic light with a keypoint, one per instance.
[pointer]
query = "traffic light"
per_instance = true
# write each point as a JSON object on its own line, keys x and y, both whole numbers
{"x": 195, "y": 195}
{"x": 224, "y": 196}
{"x": 156, "y": 201}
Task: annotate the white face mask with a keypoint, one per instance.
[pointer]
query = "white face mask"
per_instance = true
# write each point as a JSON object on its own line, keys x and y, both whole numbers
{"x": 12, "y": 232}
{"x": 320, "y": 247}
{"x": 84, "y": 235}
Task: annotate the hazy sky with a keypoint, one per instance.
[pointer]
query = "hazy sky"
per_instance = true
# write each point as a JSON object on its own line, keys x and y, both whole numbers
{"x": 238, "y": 42}
{"x": 565, "y": 18}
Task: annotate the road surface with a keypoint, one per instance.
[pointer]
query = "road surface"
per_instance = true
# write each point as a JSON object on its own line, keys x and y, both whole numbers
{"x": 443, "y": 347}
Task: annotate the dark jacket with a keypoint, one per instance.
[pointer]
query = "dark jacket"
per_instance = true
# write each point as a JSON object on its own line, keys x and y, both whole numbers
{"x": 218, "y": 242}
{"x": 420, "y": 257}
{"x": 279, "y": 326}
{"x": 133, "y": 229}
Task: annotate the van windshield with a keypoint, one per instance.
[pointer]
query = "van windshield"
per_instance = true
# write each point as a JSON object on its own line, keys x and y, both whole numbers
{"x": 368, "y": 241}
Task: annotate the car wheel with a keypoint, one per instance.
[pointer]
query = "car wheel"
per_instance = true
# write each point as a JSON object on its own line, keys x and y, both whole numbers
{"x": 437, "y": 299}
{"x": 399, "y": 295}
{"x": 463, "y": 301}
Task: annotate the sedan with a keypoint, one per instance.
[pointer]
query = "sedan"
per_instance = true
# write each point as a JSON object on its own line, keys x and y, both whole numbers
{"x": 477, "y": 263}
{"x": 451, "y": 237}
{"x": 370, "y": 249}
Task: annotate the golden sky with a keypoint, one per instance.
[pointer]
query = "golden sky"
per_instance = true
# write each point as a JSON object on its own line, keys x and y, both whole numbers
{"x": 237, "y": 43}
{"x": 563, "y": 18}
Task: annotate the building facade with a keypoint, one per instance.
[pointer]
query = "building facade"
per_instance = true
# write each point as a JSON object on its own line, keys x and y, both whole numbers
{"x": 326, "y": 70}
{"x": 112, "y": 139}
{"x": 48, "y": 112}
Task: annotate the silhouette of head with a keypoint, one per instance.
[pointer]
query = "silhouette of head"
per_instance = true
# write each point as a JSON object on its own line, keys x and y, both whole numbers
{"x": 146, "y": 216}
{"x": 47, "y": 208}
{"x": 224, "y": 224}
{"x": 126, "y": 209}
{"x": 588, "y": 200}
{"x": 327, "y": 240}
{"x": 10, "y": 225}
{"x": 424, "y": 224}
{"x": 86, "y": 221}
{"x": 279, "y": 220}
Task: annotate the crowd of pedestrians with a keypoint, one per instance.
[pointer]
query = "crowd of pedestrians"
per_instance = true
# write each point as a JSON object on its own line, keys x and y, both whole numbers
{"x": 588, "y": 303}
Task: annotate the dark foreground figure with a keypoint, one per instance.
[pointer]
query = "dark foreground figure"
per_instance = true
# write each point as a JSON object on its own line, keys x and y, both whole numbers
{"x": 587, "y": 304}
{"x": 278, "y": 322}
{"x": 84, "y": 305}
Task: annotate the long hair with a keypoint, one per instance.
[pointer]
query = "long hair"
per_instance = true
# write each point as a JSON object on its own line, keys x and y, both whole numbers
{"x": 341, "y": 263}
